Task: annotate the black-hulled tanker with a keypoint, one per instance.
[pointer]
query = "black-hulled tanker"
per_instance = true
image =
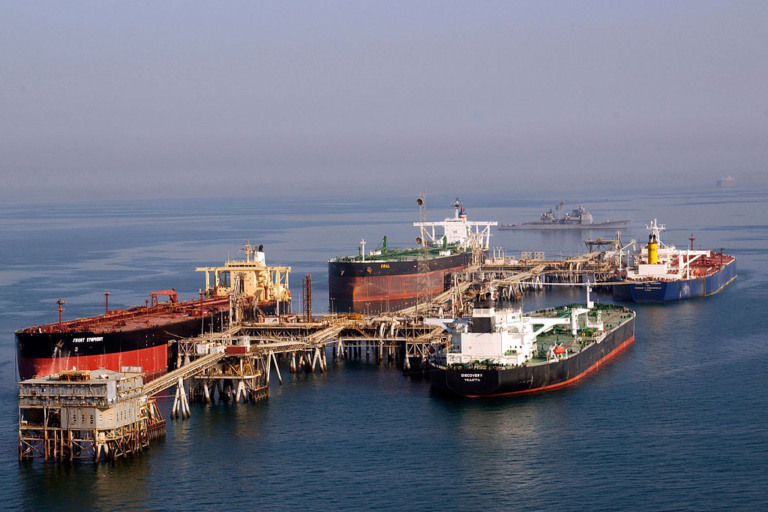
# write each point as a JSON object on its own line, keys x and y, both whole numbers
{"x": 387, "y": 279}
{"x": 506, "y": 352}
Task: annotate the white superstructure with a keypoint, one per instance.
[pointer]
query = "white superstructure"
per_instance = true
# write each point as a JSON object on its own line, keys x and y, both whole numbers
{"x": 456, "y": 230}
{"x": 671, "y": 263}
{"x": 507, "y": 337}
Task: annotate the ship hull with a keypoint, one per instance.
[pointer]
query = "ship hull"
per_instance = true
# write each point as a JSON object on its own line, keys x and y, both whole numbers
{"x": 524, "y": 380}
{"x": 540, "y": 226}
{"x": 374, "y": 286}
{"x": 668, "y": 291}
{"x": 152, "y": 360}
{"x": 45, "y": 353}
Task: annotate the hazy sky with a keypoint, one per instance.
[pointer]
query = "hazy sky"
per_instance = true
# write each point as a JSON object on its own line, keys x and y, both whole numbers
{"x": 214, "y": 98}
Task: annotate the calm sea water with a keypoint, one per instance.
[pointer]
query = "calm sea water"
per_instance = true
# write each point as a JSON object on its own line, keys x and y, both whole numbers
{"x": 677, "y": 422}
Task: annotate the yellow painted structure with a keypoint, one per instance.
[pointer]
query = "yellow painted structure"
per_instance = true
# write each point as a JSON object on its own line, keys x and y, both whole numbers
{"x": 250, "y": 277}
{"x": 653, "y": 250}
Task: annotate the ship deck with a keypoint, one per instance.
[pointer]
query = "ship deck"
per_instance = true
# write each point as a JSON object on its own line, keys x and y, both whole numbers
{"x": 700, "y": 268}
{"x": 136, "y": 318}
{"x": 399, "y": 255}
{"x": 612, "y": 317}
{"x": 146, "y": 321}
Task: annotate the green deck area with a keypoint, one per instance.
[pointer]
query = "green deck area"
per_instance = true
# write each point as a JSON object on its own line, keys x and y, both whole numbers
{"x": 402, "y": 254}
{"x": 611, "y": 315}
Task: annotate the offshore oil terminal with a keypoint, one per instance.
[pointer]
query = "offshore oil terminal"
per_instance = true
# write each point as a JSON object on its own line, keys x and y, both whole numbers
{"x": 89, "y": 385}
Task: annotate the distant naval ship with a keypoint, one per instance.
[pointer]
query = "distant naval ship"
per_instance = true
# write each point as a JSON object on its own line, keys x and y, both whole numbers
{"x": 578, "y": 218}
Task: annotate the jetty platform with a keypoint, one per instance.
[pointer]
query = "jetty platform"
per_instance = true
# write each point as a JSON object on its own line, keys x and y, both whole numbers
{"x": 102, "y": 414}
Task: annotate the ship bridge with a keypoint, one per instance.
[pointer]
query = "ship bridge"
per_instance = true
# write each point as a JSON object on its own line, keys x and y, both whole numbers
{"x": 250, "y": 277}
{"x": 456, "y": 230}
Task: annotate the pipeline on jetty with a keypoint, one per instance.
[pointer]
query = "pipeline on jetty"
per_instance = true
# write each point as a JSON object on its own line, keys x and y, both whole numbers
{"x": 103, "y": 415}
{"x": 511, "y": 278}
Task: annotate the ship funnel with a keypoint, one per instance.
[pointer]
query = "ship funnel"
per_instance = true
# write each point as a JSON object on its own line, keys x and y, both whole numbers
{"x": 653, "y": 254}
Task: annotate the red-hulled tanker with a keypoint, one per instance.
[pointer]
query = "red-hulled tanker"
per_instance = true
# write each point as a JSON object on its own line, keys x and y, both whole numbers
{"x": 139, "y": 336}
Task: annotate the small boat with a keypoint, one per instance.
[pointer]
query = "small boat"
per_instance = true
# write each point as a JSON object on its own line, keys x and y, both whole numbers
{"x": 663, "y": 273}
{"x": 505, "y": 352}
{"x": 578, "y": 218}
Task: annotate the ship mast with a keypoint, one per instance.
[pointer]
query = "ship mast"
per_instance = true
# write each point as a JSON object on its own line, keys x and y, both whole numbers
{"x": 61, "y": 303}
{"x": 423, "y": 264}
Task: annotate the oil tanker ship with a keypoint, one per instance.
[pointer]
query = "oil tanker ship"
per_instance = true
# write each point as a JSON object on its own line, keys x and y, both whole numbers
{"x": 387, "y": 279}
{"x": 664, "y": 273}
{"x": 139, "y": 336}
{"x": 506, "y": 353}
{"x": 727, "y": 181}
